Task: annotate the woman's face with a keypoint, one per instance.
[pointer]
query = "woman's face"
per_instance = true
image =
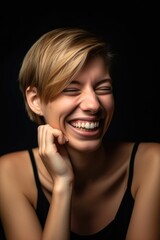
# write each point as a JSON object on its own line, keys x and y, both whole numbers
{"x": 84, "y": 109}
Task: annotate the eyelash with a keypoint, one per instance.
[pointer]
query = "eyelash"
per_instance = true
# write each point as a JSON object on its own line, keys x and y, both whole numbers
{"x": 99, "y": 91}
{"x": 71, "y": 91}
{"x": 104, "y": 90}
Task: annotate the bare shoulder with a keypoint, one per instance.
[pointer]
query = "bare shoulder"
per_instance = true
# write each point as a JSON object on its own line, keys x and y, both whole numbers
{"x": 144, "y": 222}
{"x": 16, "y": 173}
{"x": 147, "y": 163}
{"x": 13, "y": 162}
{"x": 149, "y": 154}
{"x": 150, "y": 149}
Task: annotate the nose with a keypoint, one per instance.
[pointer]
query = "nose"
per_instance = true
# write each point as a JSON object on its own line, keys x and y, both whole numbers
{"x": 90, "y": 102}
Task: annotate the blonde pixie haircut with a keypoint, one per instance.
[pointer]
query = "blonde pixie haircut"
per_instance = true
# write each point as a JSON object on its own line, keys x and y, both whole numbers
{"x": 53, "y": 61}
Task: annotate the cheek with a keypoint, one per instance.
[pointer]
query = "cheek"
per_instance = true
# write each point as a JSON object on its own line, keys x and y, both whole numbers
{"x": 55, "y": 112}
{"x": 109, "y": 104}
{"x": 51, "y": 113}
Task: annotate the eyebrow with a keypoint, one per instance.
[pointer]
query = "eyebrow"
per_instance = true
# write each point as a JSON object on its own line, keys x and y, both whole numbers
{"x": 105, "y": 80}
{"x": 99, "y": 82}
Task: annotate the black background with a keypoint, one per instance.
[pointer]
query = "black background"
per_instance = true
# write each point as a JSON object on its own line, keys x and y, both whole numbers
{"x": 132, "y": 31}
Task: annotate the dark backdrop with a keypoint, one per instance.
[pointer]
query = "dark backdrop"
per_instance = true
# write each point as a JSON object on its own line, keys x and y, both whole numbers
{"x": 133, "y": 36}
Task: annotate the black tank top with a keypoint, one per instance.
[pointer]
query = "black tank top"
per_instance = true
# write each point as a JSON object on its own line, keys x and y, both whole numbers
{"x": 116, "y": 229}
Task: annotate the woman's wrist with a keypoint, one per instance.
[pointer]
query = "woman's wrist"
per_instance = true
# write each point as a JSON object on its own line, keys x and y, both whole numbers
{"x": 63, "y": 185}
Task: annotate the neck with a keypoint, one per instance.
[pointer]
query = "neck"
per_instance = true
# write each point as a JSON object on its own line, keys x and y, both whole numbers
{"x": 87, "y": 166}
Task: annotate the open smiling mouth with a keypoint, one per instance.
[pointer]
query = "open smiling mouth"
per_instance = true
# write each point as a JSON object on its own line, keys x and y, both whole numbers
{"x": 87, "y": 126}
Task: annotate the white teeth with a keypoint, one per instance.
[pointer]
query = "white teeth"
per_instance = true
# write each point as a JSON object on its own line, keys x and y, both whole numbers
{"x": 86, "y": 125}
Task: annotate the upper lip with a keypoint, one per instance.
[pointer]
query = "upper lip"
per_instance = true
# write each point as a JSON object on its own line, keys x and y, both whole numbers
{"x": 85, "y": 119}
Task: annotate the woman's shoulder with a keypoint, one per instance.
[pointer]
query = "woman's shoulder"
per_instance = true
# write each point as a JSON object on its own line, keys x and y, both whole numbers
{"x": 147, "y": 165}
{"x": 146, "y": 151}
{"x": 148, "y": 156}
{"x": 15, "y": 166}
{"x": 16, "y": 176}
{"x": 12, "y": 160}
{"x": 150, "y": 149}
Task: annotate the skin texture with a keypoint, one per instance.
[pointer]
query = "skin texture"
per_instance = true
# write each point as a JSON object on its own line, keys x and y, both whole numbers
{"x": 83, "y": 181}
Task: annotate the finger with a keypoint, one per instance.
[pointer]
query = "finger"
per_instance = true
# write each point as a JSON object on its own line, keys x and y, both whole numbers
{"x": 41, "y": 139}
{"x": 50, "y": 142}
{"x": 48, "y": 138}
{"x": 61, "y": 138}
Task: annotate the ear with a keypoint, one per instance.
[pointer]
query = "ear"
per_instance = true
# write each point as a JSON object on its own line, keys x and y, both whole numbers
{"x": 33, "y": 100}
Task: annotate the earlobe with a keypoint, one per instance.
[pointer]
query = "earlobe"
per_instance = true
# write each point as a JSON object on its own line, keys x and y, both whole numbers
{"x": 33, "y": 100}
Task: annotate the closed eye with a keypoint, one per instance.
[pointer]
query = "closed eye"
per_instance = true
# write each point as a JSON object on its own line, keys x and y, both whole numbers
{"x": 103, "y": 90}
{"x": 71, "y": 91}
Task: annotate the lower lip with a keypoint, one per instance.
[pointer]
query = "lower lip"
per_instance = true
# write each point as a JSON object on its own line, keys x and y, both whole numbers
{"x": 92, "y": 133}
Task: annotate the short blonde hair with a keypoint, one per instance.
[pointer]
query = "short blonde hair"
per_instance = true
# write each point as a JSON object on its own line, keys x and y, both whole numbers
{"x": 54, "y": 59}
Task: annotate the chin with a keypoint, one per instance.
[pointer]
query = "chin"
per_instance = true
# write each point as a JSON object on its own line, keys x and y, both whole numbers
{"x": 85, "y": 146}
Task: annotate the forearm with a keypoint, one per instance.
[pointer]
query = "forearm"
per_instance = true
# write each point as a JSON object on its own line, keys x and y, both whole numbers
{"x": 58, "y": 220}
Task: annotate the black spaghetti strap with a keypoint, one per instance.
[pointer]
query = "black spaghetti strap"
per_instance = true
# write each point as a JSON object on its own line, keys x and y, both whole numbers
{"x": 42, "y": 205}
{"x": 34, "y": 168}
{"x": 131, "y": 165}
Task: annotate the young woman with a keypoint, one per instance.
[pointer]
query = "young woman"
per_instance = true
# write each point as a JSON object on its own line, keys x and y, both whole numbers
{"x": 74, "y": 185}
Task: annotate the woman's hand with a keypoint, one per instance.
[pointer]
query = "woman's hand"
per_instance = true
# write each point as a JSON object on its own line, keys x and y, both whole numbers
{"x": 54, "y": 154}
